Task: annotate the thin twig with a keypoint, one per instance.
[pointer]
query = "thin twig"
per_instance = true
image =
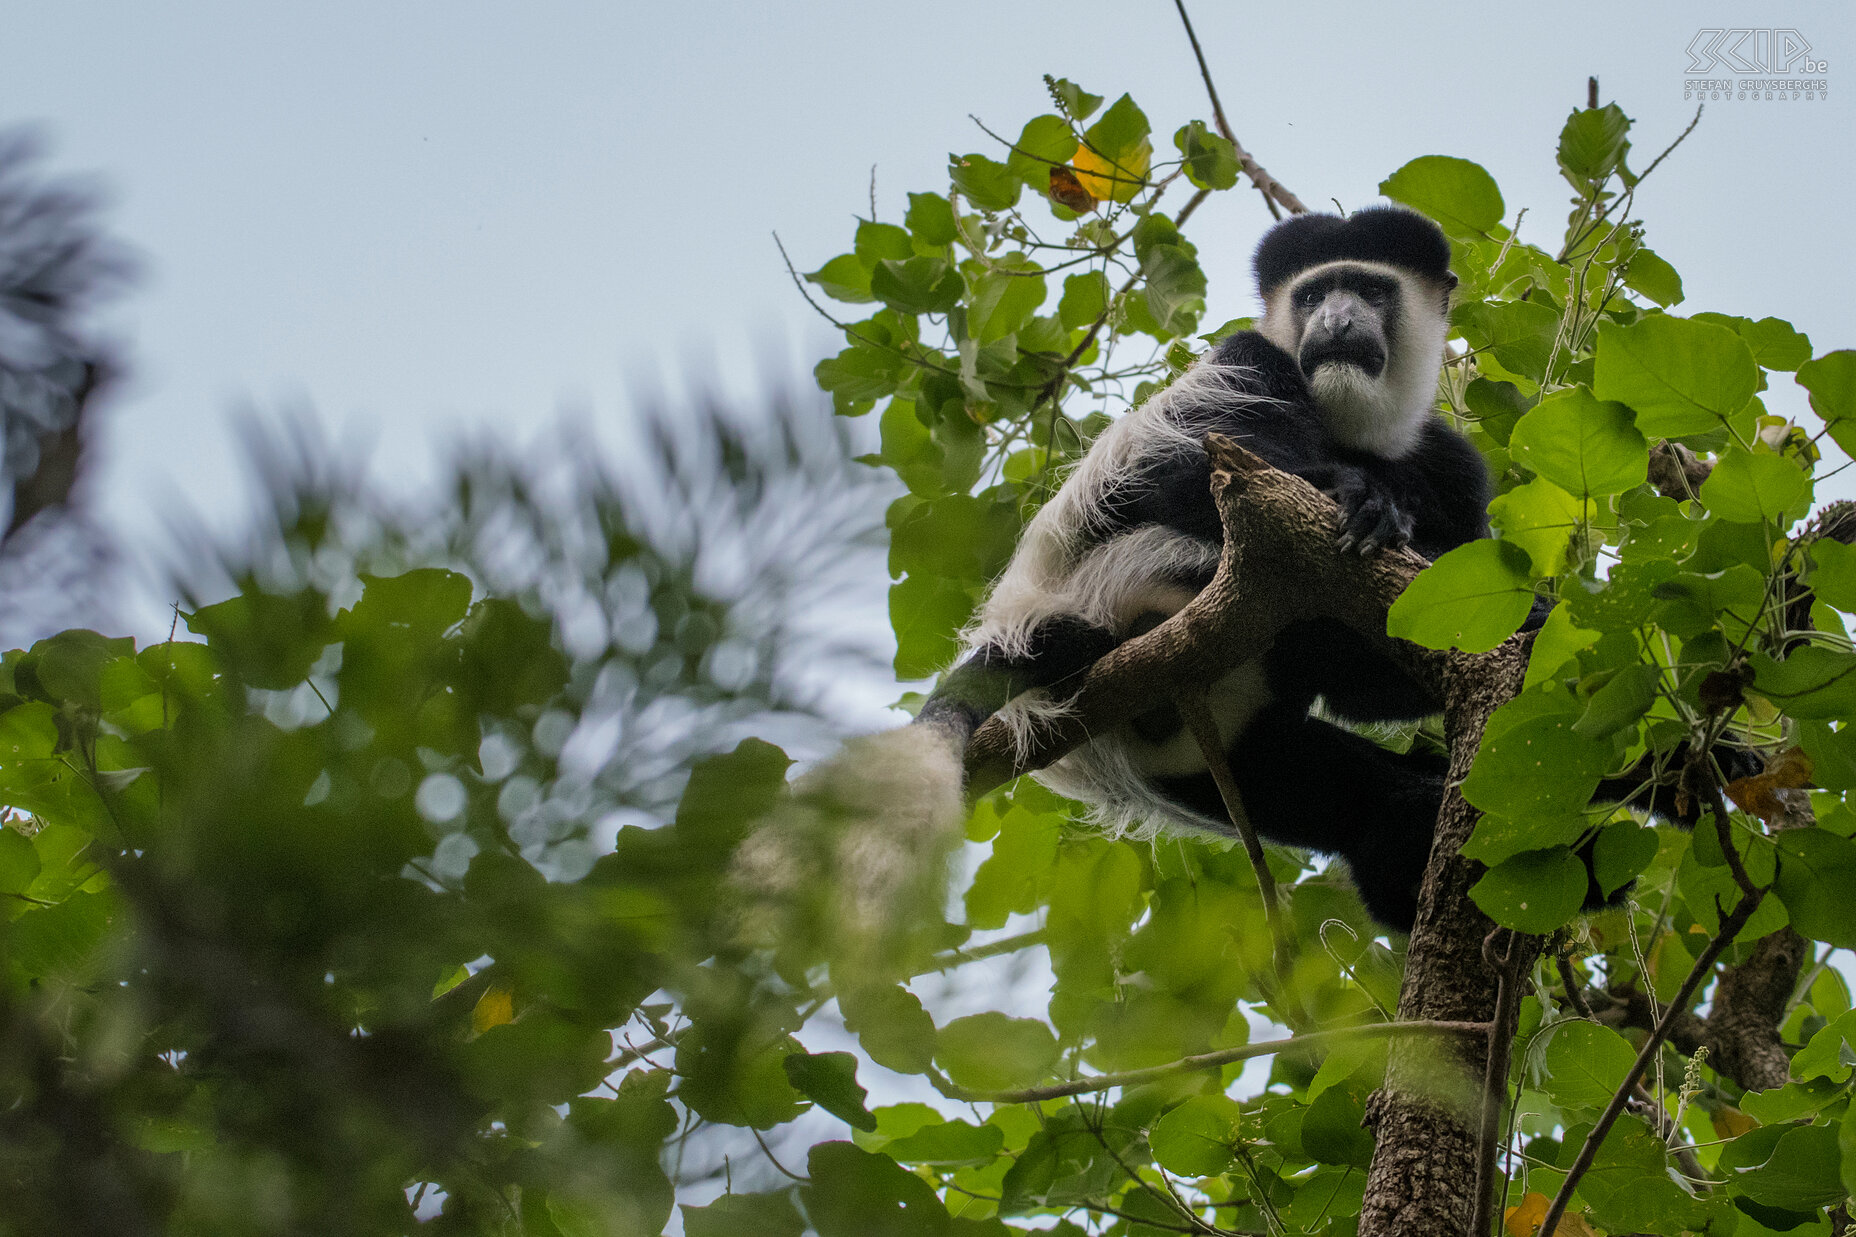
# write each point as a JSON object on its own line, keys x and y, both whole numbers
{"x": 1495, "y": 1075}
{"x": 774, "y": 1160}
{"x": 1204, "y": 727}
{"x": 1570, "y": 982}
{"x": 1273, "y": 190}
{"x": 1731, "y": 923}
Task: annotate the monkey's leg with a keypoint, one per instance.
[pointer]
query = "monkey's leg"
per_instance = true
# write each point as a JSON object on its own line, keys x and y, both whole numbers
{"x": 1060, "y": 650}
{"x": 1307, "y": 783}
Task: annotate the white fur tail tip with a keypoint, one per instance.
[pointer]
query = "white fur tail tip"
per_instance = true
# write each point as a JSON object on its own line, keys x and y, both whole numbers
{"x": 854, "y": 859}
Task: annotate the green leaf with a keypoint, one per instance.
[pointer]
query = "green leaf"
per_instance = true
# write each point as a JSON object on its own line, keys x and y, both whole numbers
{"x": 765, "y": 1215}
{"x": 1458, "y": 194}
{"x": 947, "y": 1143}
{"x": 59, "y": 942}
{"x": 986, "y": 183}
{"x": 858, "y": 1193}
{"x": 426, "y": 600}
{"x": 1583, "y": 445}
{"x": 1195, "y": 1139}
{"x": 1593, "y": 143}
{"x": 1535, "y": 891}
{"x": 70, "y": 665}
{"x": 1628, "y": 1187}
{"x": 1010, "y": 878}
{"x": 917, "y": 285}
{"x": 1538, "y": 766}
{"x": 931, "y": 218}
{"x": 1519, "y": 334}
{"x": 1749, "y": 488}
{"x": 892, "y": 1027}
{"x": 1332, "y": 1132}
{"x": 1210, "y": 161}
{"x": 1831, "y": 380}
{"x": 829, "y": 1079}
{"x": 19, "y": 862}
{"x": 843, "y": 278}
{"x": 1583, "y": 1065}
{"x": 1846, "y": 1153}
{"x": 1077, "y": 101}
{"x": 1828, "y": 1054}
{"x": 1559, "y": 641}
{"x": 1832, "y": 753}
{"x": 1496, "y": 407}
{"x": 1046, "y": 141}
{"x": 1500, "y": 837}
{"x": 1621, "y": 854}
{"x": 1624, "y": 698}
{"x": 1681, "y": 376}
{"x": 1541, "y": 518}
{"x": 858, "y": 376}
{"x": 1085, "y": 298}
{"x": 1833, "y": 575}
{"x": 1471, "y": 598}
{"x": 1776, "y": 343}
{"x": 1122, "y": 129}
{"x": 268, "y": 640}
{"x": 995, "y": 1052}
{"x": 1175, "y": 290}
{"x": 1648, "y": 275}
{"x": 1802, "y": 1174}
{"x": 1004, "y": 297}
{"x": 1791, "y": 1101}
{"x": 877, "y": 242}
{"x": 1812, "y": 684}
{"x": 1817, "y": 871}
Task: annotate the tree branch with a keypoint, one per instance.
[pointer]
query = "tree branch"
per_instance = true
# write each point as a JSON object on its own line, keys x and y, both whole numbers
{"x": 1273, "y": 190}
{"x": 1279, "y": 542}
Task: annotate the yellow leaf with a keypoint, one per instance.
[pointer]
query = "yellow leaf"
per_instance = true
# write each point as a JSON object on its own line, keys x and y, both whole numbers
{"x": 1116, "y": 175}
{"x": 1522, "y": 1219}
{"x": 1758, "y": 794}
{"x": 494, "y": 1008}
{"x": 1730, "y": 1122}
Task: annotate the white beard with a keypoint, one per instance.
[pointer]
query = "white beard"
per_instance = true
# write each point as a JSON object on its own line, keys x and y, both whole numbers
{"x": 1367, "y": 414}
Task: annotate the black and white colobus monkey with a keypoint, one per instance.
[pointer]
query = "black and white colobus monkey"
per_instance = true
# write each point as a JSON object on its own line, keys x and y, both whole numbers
{"x": 1337, "y": 385}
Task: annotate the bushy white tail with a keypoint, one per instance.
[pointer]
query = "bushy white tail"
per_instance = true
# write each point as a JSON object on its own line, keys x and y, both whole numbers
{"x": 854, "y": 860}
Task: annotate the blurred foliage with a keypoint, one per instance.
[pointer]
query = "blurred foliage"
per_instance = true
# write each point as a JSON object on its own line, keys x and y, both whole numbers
{"x": 57, "y": 268}
{"x": 318, "y": 922}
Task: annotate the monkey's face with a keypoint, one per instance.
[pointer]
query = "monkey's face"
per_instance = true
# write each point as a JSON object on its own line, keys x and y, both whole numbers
{"x": 1344, "y": 315}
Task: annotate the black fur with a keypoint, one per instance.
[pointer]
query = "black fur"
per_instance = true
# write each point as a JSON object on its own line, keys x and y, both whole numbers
{"x": 1389, "y": 234}
{"x": 1304, "y": 781}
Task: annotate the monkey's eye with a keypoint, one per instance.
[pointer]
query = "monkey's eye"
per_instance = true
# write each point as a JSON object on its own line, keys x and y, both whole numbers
{"x": 1373, "y": 295}
{"x": 1308, "y": 298}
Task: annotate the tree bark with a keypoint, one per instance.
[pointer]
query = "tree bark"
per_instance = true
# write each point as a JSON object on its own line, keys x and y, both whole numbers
{"x": 1423, "y": 1176}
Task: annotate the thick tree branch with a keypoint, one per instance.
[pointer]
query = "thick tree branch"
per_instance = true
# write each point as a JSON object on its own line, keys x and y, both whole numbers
{"x": 1279, "y": 565}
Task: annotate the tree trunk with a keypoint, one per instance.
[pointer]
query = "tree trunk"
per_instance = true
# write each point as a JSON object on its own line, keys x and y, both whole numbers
{"x": 1423, "y": 1174}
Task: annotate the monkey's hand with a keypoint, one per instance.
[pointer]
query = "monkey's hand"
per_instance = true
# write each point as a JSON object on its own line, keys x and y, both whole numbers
{"x": 1371, "y": 520}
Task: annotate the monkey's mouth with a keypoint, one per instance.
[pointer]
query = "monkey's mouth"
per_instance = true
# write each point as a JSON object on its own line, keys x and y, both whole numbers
{"x": 1358, "y": 351}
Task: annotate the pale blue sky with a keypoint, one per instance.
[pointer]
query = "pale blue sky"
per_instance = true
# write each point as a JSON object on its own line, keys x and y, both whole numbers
{"x": 417, "y": 216}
